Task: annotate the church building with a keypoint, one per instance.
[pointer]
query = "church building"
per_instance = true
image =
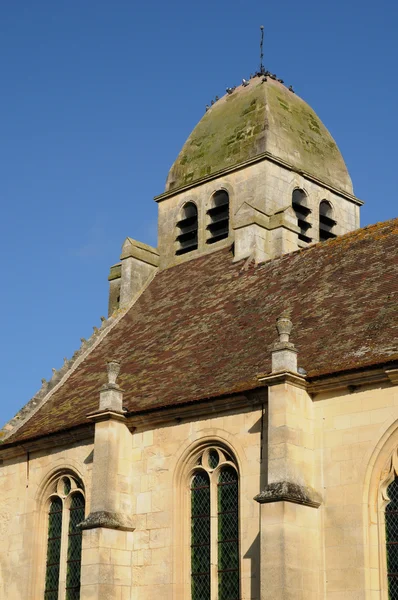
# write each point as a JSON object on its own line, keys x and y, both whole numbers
{"x": 230, "y": 431}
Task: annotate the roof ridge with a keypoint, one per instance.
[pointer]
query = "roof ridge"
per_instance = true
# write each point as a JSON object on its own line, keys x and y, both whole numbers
{"x": 59, "y": 377}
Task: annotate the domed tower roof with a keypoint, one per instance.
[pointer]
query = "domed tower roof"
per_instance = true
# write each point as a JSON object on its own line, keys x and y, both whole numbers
{"x": 260, "y": 120}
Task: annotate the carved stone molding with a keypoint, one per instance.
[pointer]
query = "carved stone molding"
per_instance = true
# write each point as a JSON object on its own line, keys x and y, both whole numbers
{"x": 108, "y": 520}
{"x": 287, "y": 491}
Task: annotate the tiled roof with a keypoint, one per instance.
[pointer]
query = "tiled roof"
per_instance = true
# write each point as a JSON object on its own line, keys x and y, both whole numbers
{"x": 206, "y": 327}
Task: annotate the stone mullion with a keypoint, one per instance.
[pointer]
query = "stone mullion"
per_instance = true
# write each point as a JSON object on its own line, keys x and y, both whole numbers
{"x": 213, "y": 537}
{"x": 64, "y": 550}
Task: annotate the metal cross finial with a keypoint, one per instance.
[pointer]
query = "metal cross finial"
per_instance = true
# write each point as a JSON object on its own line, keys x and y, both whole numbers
{"x": 262, "y": 70}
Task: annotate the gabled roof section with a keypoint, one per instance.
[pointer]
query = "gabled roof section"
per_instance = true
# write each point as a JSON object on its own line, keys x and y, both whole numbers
{"x": 206, "y": 327}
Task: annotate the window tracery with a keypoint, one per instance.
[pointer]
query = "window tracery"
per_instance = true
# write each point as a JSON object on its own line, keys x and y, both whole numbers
{"x": 214, "y": 492}
{"x": 66, "y": 509}
{"x": 388, "y": 527}
{"x": 391, "y": 520}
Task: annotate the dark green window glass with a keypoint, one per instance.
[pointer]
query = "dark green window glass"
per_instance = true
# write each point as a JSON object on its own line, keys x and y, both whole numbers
{"x": 73, "y": 564}
{"x": 200, "y": 537}
{"x": 213, "y": 459}
{"x": 67, "y": 486}
{"x": 228, "y": 535}
{"x": 392, "y": 540}
{"x": 53, "y": 549}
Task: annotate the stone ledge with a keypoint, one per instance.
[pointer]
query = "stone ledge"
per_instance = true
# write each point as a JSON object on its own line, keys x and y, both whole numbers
{"x": 294, "y": 379}
{"x": 106, "y": 414}
{"x": 286, "y": 491}
{"x": 139, "y": 251}
{"x": 108, "y": 520}
{"x": 115, "y": 272}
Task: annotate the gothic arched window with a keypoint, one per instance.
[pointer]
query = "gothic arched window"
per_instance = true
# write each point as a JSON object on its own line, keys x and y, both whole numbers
{"x": 299, "y": 204}
{"x": 66, "y": 508}
{"x": 218, "y": 215}
{"x": 391, "y": 519}
{"x": 187, "y": 229}
{"x": 326, "y": 221}
{"x": 214, "y": 489}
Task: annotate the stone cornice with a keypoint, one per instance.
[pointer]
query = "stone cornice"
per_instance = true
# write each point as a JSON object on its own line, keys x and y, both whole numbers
{"x": 270, "y": 379}
{"x": 392, "y": 375}
{"x": 351, "y": 381}
{"x": 67, "y": 437}
{"x": 259, "y": 158}
{"x": 106, "y": 415}
{"x": 252, "y": 399}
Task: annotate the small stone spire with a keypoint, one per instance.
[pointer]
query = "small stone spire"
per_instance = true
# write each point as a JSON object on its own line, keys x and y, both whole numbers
{"x": 284, "y": 328}
{"x": 113, "y": 369}
{"x": 111, "y": 395}
{"x": 284, "y": 354}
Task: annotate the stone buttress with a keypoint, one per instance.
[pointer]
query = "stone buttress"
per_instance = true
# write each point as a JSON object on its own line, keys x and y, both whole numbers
{"x": 290, "y": 522}
{"x": 107, "y": 531}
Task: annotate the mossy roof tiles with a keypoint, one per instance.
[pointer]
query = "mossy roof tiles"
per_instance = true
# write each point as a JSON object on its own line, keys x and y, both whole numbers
{"x": 206, "y": 327}
{"x": 259, "y": 118}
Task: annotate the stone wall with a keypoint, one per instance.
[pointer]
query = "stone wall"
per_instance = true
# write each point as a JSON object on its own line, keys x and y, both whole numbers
{"x": 148, "y": 562}
{"x": 352, "y": 457}
{"x": 23, "y": 528}
{"x": 354, "y": 437}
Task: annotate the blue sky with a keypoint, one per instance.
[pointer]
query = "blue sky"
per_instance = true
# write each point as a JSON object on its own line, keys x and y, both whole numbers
{"x": 97, "y": 99}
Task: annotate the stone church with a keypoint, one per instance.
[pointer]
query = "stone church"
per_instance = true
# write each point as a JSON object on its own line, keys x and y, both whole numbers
{"x": 230, "y": 432}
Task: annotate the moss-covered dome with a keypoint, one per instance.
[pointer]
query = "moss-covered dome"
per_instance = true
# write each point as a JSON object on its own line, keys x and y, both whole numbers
{"x": 262, "y": 117}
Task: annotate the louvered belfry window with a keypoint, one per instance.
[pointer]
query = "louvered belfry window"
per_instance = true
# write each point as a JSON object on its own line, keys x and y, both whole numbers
{"x": 303, "y": 214}
{"x": 187, "y": 229}
{"x": 64, "y": 541}
{"x": 391, "y": 517}
{"x": 326, "y": 222}
{"x": 215, "y": 527}
{"x": 218, "y": 215}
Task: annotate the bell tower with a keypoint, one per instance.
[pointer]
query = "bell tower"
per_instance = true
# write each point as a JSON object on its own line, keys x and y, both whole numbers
{"x": 259, "y": 171}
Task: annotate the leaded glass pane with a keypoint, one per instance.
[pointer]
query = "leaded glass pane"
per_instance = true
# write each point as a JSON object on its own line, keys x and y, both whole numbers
{"x": 53, "y": 549}
{"x": 213, "y": 459}
{"x": 73, "y": 564}
{"x": 228, "y": 535}
{"x": 67, "y": 486}
{"x": 391, "y": 516}
{"x": 200, "y": 536}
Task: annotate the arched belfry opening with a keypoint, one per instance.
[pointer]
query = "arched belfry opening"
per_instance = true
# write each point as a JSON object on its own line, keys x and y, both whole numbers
{"x": 187, "y": 229}
{"x": 300, "y": 207}
{"x": 218, "y": 216}
{"x": 326, "y": 221}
